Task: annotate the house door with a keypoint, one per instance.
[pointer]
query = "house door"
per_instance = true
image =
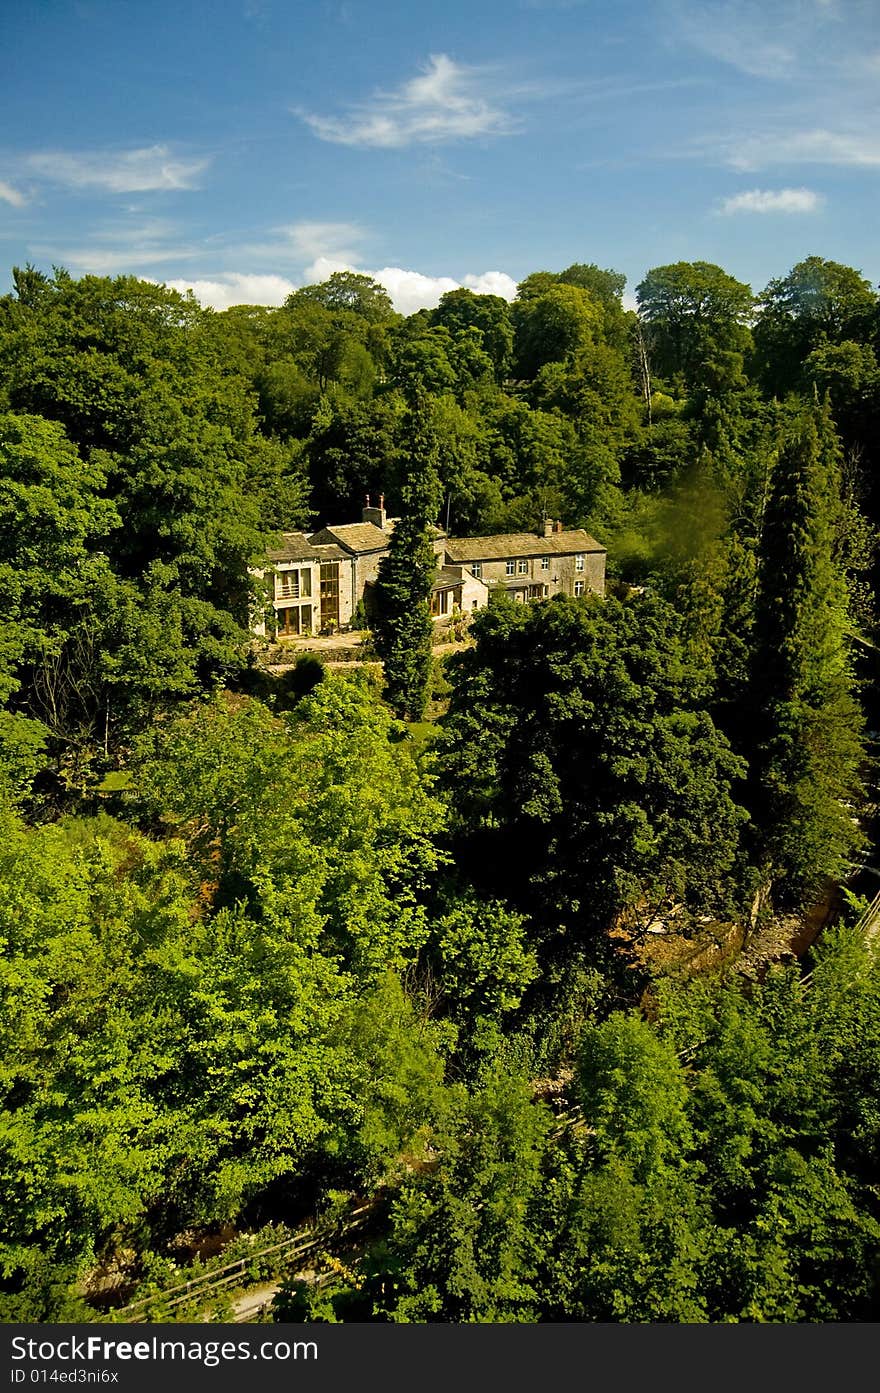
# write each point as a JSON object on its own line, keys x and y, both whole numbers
{"x": 288, "y": 621}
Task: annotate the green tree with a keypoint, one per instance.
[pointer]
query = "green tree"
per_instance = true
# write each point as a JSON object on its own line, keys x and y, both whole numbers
{"x": 550, "y": 327}
{"x": 606, "y": 287}
{"x": 585, "y": 781}
{"x": 462, "y": 1242}
{"x": 807, "y": 722}
{"x": 594, "y": 390}
{"x": 489, "y": 314}
{"x": 140, "y": 386}
{"x": 818, "y": 304}
{"x": 696, "y": 318}
{"x": 55, "y": 529}
{"x": 320, "y": 801}
{"x": 402, "y": 626}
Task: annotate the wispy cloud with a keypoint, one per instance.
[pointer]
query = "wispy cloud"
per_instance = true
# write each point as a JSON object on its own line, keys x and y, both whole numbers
{"x": 310, "y": 240}
{"x": 772, "y": 201}
{"x": 775, "y": 40}
{"x": 819, "y": 147}
{"x": 294, "y": 244}
{"x": 153, "y": 167}
{"x": 447, "y": 101}
{"x": 109, "y": 261}
{"x": 10, "y": 195}
{"x": 123, "y": 245}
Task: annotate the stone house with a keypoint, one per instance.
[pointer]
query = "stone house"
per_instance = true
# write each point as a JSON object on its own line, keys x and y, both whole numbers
{"x": 362, "y": 545}
{"x": 534, "y": 567}
{"x": 456, "y": 588}
{"x": 316, "y": 582}
{"x": 292, "y": 577}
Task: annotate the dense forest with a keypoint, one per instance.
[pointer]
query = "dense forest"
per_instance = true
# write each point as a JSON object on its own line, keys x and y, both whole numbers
{"x": 270, "y": 941}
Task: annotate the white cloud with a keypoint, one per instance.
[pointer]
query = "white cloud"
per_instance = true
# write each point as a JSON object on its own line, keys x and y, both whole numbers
{"x": 773, "y": 201}
{"x": 858, "y": 148}
{"x": 127, "y": 171}
{"x": 492, "y": 283}
{"x": 331, "y": 247}
{"x": 447, "y": 101}
{"x": 302, "y": 253}
{"x": 409, "y": 290}
{"x": 412, "y": 290}
{"x": 235, "y": 288}
{"x": 323, "y": 267}
{"x": 10, "y": 195}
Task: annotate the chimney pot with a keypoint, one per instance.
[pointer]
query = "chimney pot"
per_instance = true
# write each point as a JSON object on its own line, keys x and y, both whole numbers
{"x": 375, "y": 515}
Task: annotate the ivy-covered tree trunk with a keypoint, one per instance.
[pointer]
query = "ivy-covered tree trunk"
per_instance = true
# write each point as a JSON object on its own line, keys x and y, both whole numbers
{"x": 402, "y": 626}
{"x": 808, "y": 724}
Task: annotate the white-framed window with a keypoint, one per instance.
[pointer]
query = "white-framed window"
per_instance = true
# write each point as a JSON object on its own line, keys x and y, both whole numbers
{"x": 477, "y": 570}
{"x": 579, "y": 587}
{"x": 510, "y": 567}
{"x": 291, "y": 585}
{"x": 522, "y": 567}
{"x": 579, "y": 561}
{"x": 545, "y": 563}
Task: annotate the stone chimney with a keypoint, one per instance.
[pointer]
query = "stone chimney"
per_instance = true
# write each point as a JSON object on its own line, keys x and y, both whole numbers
{"x": 548, "y": 527}
{"x": 374, "y": 515}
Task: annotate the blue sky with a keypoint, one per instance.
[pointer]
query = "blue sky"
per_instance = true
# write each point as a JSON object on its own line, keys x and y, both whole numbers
{"x": 245, "y": 147}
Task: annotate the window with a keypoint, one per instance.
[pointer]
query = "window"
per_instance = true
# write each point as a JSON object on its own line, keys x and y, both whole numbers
{"x": 579, "y": 587}
{"x": 545, "y": 563}
{"x": 523, "y": 567}
{"x": 477, "y": 569}
{"x": 329, "y": 592}
{"x": 509, "y": 567}
{"x": 579, "y": 561}
{"x": 293, "y": 585}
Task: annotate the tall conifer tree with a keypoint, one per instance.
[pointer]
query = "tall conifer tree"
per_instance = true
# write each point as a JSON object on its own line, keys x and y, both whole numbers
{"x": 808, "y": 726}
{"x": 402, "y": 625}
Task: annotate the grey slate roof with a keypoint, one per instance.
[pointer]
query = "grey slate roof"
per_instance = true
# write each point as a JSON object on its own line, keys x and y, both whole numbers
{"x": 506, "y": 544}
{"x": 296, "y": 547}
{"x": 356, "y": 537}
{"x": 447, "y": 577}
